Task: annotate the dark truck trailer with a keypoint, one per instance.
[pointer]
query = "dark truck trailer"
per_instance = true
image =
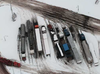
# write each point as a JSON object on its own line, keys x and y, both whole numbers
{"x": 30, "y": 37}
{"x": 23, "y": 35}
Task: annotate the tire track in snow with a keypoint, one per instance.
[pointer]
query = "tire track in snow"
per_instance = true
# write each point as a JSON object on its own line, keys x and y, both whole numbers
{"x": 3, "y": 69}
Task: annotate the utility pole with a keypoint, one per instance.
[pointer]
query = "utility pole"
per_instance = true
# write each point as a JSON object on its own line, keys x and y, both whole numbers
{"x": 13, "y": 14}
{"x": 97, "y": 1}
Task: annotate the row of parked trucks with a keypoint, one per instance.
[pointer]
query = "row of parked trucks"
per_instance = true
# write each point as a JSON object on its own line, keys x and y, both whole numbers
{"x": 64, "y": 41}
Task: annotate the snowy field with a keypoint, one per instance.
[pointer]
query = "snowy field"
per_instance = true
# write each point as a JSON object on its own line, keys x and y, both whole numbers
{"x": 86, "y": 7}
{"x": 8, "y": 46}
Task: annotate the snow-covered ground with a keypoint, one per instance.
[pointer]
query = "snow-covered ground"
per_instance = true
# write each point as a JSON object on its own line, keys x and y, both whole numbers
{"x": 8, "y": 46}
{"x": 86, "y": 7}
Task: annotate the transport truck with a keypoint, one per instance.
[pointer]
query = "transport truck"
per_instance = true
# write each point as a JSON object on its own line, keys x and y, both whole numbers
{"x": 71, "y": 41}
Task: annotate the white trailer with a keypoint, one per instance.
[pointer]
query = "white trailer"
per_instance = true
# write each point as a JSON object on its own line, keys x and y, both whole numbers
{"x": 45, "y": 40}
{"x": 38, "y": 38}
